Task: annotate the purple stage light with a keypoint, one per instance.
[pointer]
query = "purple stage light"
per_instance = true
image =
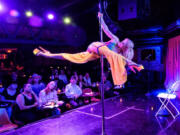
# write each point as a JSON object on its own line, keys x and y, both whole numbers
{"x": 1, "y": 7}
{"x": 50, "y": 16}
{"x": 36, "y": 21}
{"x": 14, "y": 13}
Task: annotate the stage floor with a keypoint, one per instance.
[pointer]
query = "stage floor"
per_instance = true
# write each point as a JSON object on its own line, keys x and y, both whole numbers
{"x": 125, "y": 115}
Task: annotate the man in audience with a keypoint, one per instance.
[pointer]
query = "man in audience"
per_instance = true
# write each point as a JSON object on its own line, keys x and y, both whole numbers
{"x": 37, "y": 86}
{"x": 73, "y": 92}
{"x": 87, "y": 80}
{"x": 63, "y": 77}
{"x": 108, "y": 87}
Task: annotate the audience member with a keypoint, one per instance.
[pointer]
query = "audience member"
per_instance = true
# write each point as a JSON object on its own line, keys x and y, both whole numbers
{"x": 27, "y": 103}
{"x": 48, "y": 99}
{"x": 81, "y": 82}
{"x": 37, "y": 85}
{"x": 73, "y": 92}
{"x": 63, "y": 77}
{"x": 87, "y": 80}
{"x": 10, "y": 94}
{"x": 108, "y": 87}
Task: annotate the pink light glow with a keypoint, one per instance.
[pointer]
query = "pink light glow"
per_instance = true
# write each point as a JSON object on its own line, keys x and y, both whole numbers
{"x": 14, "y": 13}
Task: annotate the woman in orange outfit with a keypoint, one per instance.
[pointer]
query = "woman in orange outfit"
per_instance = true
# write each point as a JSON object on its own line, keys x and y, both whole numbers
{"x": 117, "y": 53}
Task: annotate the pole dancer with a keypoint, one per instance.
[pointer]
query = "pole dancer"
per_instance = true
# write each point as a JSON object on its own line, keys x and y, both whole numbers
{"x": 118, "y": 53}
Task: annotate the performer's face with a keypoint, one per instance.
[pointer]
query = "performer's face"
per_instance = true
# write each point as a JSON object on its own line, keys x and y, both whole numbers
{"x": 121, "y": 44}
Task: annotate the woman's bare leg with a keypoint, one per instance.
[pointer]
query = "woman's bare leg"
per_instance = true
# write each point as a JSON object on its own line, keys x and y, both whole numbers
{"x": 82, "y": 57}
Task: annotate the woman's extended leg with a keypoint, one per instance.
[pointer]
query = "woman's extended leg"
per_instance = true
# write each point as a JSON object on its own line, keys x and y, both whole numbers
{"x": 82, "y": 57}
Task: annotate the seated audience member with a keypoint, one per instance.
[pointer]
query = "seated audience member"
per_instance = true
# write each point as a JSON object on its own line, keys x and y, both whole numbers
{"x": 48, "y": 100}
{"x": 37, "y": 86}
{"x": 87, "y": 80}
{"x": 75, "y": 74}
{"x": 14, "y": 76}
{"x": 73, "y": 92}
{"x": 81, "y": 82}
{"x": 10, "y": 94}
{"x": 63, "y": 77}
{"x": 27, "y": 103}
{"x": 54, "y": 74}
{"x": 108, "y": 87}
{"x": 88, "y": 94}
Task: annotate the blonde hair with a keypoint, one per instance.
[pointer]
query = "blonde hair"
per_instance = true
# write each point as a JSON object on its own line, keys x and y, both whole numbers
{"x": 127, "y": 49}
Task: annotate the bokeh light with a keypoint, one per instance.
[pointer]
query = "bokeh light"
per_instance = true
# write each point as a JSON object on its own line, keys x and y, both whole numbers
{"x": 14, "y": 13}
{"x": 50, "y": 16}
{"x": 29, "y": 13}
{"x": 1, "y": 7}
{"x": 67, "y": 20}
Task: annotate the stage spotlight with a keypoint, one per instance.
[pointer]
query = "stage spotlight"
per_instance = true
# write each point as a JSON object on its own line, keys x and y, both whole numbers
{"x": 67, "y": 20}
{"x": 50, "y": 16}
{"x": 29, "y": 14}
{"x": 1, "y": 7}
{"x": 14, "y": 13}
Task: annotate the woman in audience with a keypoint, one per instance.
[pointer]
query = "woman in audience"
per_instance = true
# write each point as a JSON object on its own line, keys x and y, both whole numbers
{"x": 27, "y": 102}
{"x": 10, "y": 94}
{"x": 48, "y": 99}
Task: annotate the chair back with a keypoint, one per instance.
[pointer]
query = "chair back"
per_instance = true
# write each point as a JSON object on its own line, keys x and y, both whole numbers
{"x": 174, "y": 88}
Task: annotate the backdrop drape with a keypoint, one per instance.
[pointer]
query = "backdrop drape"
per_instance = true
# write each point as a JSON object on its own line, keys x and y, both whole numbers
{"x": 173, "y": 61}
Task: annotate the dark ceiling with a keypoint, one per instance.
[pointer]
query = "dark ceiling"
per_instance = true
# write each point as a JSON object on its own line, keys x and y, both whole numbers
{"x": 161, "y": 11}
{"x": 84, "y": 13}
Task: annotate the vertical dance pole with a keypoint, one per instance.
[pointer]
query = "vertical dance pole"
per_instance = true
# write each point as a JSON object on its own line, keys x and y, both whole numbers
{"x": 102, "y": 71}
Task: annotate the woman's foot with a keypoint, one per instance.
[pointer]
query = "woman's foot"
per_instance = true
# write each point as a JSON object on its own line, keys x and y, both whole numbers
{"x": 39, "y": 50}
{"x": 36, "y": 51}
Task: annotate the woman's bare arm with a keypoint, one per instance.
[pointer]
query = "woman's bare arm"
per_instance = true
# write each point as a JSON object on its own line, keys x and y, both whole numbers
{"x": 106, "y": 29}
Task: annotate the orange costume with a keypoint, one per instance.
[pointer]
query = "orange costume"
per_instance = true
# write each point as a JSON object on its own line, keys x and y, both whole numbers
{"x": 116, "y": 61}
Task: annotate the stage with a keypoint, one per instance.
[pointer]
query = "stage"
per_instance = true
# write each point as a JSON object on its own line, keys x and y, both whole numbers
{"x": 125, "y": 115}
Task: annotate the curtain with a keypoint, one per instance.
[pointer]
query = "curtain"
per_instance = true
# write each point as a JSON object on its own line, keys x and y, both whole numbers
{"x": 173, "y": 62}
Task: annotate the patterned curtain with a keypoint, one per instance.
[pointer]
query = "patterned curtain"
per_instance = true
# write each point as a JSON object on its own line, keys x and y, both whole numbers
{"x": 173, "y": 61}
